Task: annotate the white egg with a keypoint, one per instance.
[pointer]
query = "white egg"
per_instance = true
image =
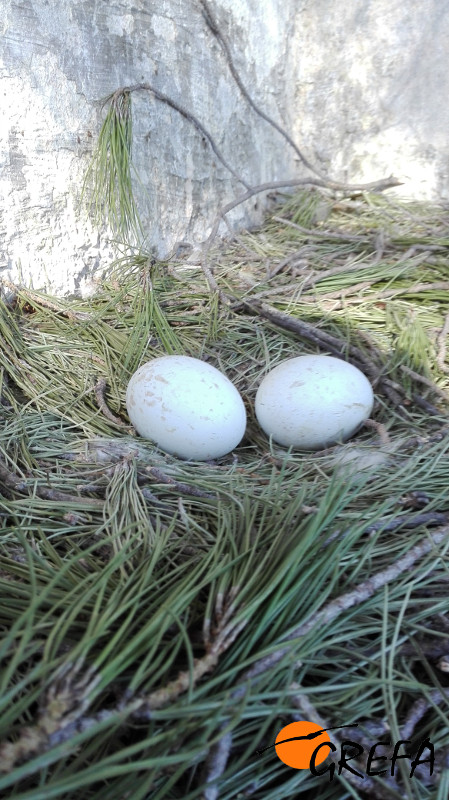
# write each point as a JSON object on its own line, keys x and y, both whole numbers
{"x": 187, "y": 407}
{"x": 311, "y": 402}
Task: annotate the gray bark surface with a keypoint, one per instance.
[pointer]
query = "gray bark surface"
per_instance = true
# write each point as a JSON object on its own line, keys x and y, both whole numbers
{"x": 360, "y": 86}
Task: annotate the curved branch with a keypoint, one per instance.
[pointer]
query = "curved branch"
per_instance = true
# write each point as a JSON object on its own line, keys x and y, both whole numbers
{"x": 164, "y": 98}
{"x": 213, "y": 25}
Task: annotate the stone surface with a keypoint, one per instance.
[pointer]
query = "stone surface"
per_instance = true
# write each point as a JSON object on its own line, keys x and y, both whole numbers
{"x": 360, "y": 85}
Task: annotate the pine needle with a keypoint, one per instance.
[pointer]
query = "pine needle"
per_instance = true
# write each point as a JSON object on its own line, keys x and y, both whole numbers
{"x": 109, "y": 178}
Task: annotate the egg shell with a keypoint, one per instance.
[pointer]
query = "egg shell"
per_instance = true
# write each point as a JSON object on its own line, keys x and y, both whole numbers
{"x": 189, "y": 408}
{"x": 313, "y": 401}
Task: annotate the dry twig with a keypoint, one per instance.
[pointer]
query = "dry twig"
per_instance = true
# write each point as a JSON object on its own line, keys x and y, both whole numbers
{"x": 183, "y": 488}
{"x": 441, "y": 340}
{"x": 215, "y": 765}
{"x": 327, "y": 342}
{"x": 12, "y": 481}
{"x": 421, "y": 379}
{"x": 68, "y": 700}
{"x": 329, "y": 182}
{"x": 100, "y": 388}
{"x": 429, "y": 408}
{"x": 420, "y": 708}
{"x": 37, "y": 299}
{"x": 341, "y": 604}
{"x": 381, "y": 431}
{"x": 187, "y": 115}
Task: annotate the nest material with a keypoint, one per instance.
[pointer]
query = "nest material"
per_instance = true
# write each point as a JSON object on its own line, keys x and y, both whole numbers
{"x": 164, "y": 619}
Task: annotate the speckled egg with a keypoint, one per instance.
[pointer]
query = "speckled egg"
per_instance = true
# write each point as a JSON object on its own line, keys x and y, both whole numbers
{"x": 187, "y": 407}
{"x": 313, "y": 401}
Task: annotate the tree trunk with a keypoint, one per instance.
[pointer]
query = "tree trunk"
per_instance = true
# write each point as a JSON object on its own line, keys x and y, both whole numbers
{"x": 359, "y": 86}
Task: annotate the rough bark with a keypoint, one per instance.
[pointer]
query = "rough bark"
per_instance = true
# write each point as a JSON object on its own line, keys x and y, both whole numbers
{"x": 359, "y": 85}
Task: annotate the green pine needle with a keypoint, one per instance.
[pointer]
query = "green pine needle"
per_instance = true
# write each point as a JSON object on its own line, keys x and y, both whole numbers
{"x": 109, "y": 177}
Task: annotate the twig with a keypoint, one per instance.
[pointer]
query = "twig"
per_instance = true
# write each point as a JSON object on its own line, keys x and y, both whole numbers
{"x": 338, "y": 237}
{"x": 276, "y": 290}
{"x": 337, "y": 347}
{"x": 410, "y": 521}
{"x": 141, "y": 707}
{"x": 386, "y": 183}
{"x": 342, "y": 293}
{"x": 188, "y": 115}
{"x": 381, "y": 431}
{"x": 312, "y": 280}
{"x": 427, "y": 649}
{"x": 12, "y": 481}
{"x": 69, "y": 700}
{"x": 330, "y": 343}
{"x": 100, "y": 388}
{"x": 283, "y": 288}
{"x": 416, "y": 289}
{"x": 265, "y": 187}
{"x": 66, "y": 701}
{"x": 32, "y": 297}
{"x": 215, "y": 765}
{"x": 420, "y": 708}
{"x": 341, "y": 604}
{"x": 184, "y": 488}
{"x": 328, "y": 182}
{"x": 441, "y": 341}
{"x": 369, "y": 587}
{"x": 426, "y": 406}
{"x": 213, "y": 25}
{"x": 421, "y": 379}
{"x": 285, "y": 262}
{"x": 310, "y": 332}
{"x": 382, "y": 295}
{"x": 109, "y": 451}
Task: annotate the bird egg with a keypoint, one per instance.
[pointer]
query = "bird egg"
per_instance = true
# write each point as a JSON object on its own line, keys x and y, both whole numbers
{"x": 187, "y": 407}
{"x": 313, "y": 401}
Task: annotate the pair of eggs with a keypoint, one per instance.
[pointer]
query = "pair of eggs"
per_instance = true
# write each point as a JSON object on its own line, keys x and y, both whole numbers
{"x": 191, "y": 410}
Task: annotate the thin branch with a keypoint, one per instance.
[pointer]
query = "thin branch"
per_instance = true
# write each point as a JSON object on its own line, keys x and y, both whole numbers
{"x": 410, "y": 521}
{"x": 426, "y": 406}
{"x": 215, "y": 765}
{"x": 369, "y": 587}
{"x": 343, "y": 293}
{"x": 265, "y": 187}
{"x": 421, "y": 379}
{"x": 184, "y": 488}
{"x": 318, "y": 234}
{"x": 420, "y": 708}
{"x": 416, "y": 289}
{"x": 328, "y": 342}
{"x": 100, "y": 388}
{"x": 341, "y": 604}
{"x": 328, "y": 182}
{"x": 381, "y": 431}
{"x": 70, "y": 696}
{"x": 34, "y": 298}
{"x": 187, "y": 115}
{"x": 213, "y": 25}
{"x": 441, "y": 341}
{"x": 65, "y": 702}
{"x": 12, "y": 481}
{"x": 386, "y": 183}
